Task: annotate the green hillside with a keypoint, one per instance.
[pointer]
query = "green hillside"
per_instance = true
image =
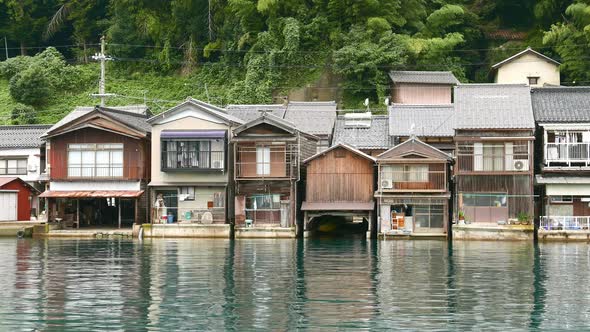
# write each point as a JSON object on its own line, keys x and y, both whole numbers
{"x": 256, "y": 51}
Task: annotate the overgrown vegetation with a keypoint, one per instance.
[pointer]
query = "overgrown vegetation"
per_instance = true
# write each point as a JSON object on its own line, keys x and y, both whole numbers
{"x": 249, "y": 51}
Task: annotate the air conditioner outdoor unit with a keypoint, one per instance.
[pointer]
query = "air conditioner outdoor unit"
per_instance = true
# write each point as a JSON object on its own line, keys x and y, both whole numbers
{"x": 32, "y": 168}
{"x": 520, "y": 165}
{"x": 217, "y": 164}
{"x": 386, "y": 184}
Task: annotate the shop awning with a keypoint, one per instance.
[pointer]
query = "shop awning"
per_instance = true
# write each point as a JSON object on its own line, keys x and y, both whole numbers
{"x": 192, "y": 134}
{"x": 339, "y": 206}
{"x": 92, "y": 194}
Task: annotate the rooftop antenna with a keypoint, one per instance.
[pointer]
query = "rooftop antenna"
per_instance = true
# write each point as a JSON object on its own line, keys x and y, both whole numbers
{"x": 101, "y": 84}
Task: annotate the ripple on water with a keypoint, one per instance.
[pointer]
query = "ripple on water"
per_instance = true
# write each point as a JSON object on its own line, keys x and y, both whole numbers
{"x": 110, "y": 285}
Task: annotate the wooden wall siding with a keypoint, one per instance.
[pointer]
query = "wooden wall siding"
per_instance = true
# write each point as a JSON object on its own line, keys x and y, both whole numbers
{"x": 479, "y": 134}
{"x": 424, "y": 94}
{"x": 414, "y": 150}
{"x": 264, "y": 129}
{"x": 519, "y": 186}
{"x": 581, "y": 208}
{"x": 340, "y": 179}
{"x": 135, "y": 155}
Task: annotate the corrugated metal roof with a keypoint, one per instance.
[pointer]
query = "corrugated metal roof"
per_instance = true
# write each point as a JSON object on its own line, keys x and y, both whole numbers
{"x": 426, "y": 120}
{"x": 92, "y": 194}
{"x": 426, "y": 77}
{"x": 23, "y": 136}
{"x": 374, "y": 137}
{"x": 561, "y": 104}
{"x": 338, "y": 206}
{"x": 493, "y": 106}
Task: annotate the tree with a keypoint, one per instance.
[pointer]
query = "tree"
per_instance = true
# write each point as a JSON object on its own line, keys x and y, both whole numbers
{"x": 571, "y": 40}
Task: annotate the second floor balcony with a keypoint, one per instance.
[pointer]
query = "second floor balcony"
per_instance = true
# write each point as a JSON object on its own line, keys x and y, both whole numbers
{"x": 266, "y": 162}
{"x": 412, "y": 179}
{"x": 193, "y": 160}
{"x": 494, "y": 157}
{"x": 567, "y": 154}
{"x": 104, "y": 172}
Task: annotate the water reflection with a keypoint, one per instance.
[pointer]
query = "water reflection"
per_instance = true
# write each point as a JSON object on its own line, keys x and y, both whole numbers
{"x": 55, "y": 285}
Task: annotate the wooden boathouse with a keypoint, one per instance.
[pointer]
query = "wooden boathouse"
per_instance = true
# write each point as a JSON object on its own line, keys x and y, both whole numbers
{"x": 340, "y": 182}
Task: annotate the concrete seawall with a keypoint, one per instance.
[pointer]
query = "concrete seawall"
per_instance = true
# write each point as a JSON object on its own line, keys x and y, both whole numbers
{"x": 493, "y": 233}
{"x": 185, "y": 231}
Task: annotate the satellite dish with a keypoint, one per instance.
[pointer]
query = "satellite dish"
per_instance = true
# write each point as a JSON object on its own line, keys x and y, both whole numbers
{"x": 386, "y": 101}
{"x": 366, "y": 102}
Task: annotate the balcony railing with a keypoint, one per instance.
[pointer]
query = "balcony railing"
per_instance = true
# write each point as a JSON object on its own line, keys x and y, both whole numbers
{"x": 567, "y": 152}
{"x": 192, "y": 160}
{"x": 278, "y": 169}
{"x": 263, "y": 217}
{"x": 413, "y": 181}
{"x": 493, "y": 163}
{"x": 104, "y": 172}
{"x": 565, "y": 223}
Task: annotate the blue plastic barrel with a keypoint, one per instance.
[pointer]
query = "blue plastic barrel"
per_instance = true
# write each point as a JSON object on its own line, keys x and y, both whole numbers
{"x": 170, "y": 218}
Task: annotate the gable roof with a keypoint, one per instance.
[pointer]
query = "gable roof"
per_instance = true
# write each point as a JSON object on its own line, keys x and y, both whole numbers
{"x": 339, "y": 145}
{"x": 426, "y": 77}
{"x": 374, "y": 137}
{"x": 22, "y": 136}
{"x": 528, "y": 50}
{"x": 251, "y": 112}
{"x": 209, "y": 108}
{"x": 316, "y": 118}
{"x": 427, "y": 120}
{"x": 273, "y": 121}
{"x": 131, "y": 119}
{"x": 413, "y": 146}
{"x": 493, "y": 106}
{"x": 561, "y": 104}
{"x": 126, "y": 112}
{"x": 5, "y": 181}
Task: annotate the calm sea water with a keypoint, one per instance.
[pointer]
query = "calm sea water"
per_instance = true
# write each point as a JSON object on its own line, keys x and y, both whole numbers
{"x": 334, "y": 284}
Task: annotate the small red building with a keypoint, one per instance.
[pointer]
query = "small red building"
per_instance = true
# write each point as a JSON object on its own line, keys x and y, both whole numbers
{"x": 15, "y": 199}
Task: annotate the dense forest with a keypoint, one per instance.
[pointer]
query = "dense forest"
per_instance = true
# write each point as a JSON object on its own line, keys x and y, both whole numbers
{"x": 249, "y": 51}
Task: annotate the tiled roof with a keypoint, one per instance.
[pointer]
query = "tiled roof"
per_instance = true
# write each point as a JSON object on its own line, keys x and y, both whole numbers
{"x": 561, "y": 104}
{"x": 316, "y": 118}
{"x": 25, "y": 136}
{"x": 251, "y": 112}
{"x": 493, "y": 106}
{"x": 133, "y": 115}
{"x": 426, "y": 120}
{"x": 428, "y": 77}
{"x": 374, "y": 137}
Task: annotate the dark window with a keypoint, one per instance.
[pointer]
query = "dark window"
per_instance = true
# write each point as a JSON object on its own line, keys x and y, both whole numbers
{"x": 533, "y": 80}
{"x": 193, "y": 154}
{"x": 188, "y": 193}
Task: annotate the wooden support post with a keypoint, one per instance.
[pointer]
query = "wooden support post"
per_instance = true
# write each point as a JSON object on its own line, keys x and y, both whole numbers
{"x": 119, "y": 208}
{"x": 77, "y": 213}
{"x": 136, "y": 214}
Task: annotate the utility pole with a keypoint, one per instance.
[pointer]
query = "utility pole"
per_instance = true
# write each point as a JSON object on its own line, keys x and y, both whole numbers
{"x": 6, "y": 46}
{"x": 101, "y": 84}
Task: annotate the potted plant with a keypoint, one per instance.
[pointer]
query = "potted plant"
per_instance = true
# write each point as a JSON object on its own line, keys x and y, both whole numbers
{"x": 461, "y": 217}
{"x": 523, "y": 218}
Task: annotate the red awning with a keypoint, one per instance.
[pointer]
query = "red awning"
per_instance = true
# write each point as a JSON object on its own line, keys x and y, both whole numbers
{"x": 89, "y": 194}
